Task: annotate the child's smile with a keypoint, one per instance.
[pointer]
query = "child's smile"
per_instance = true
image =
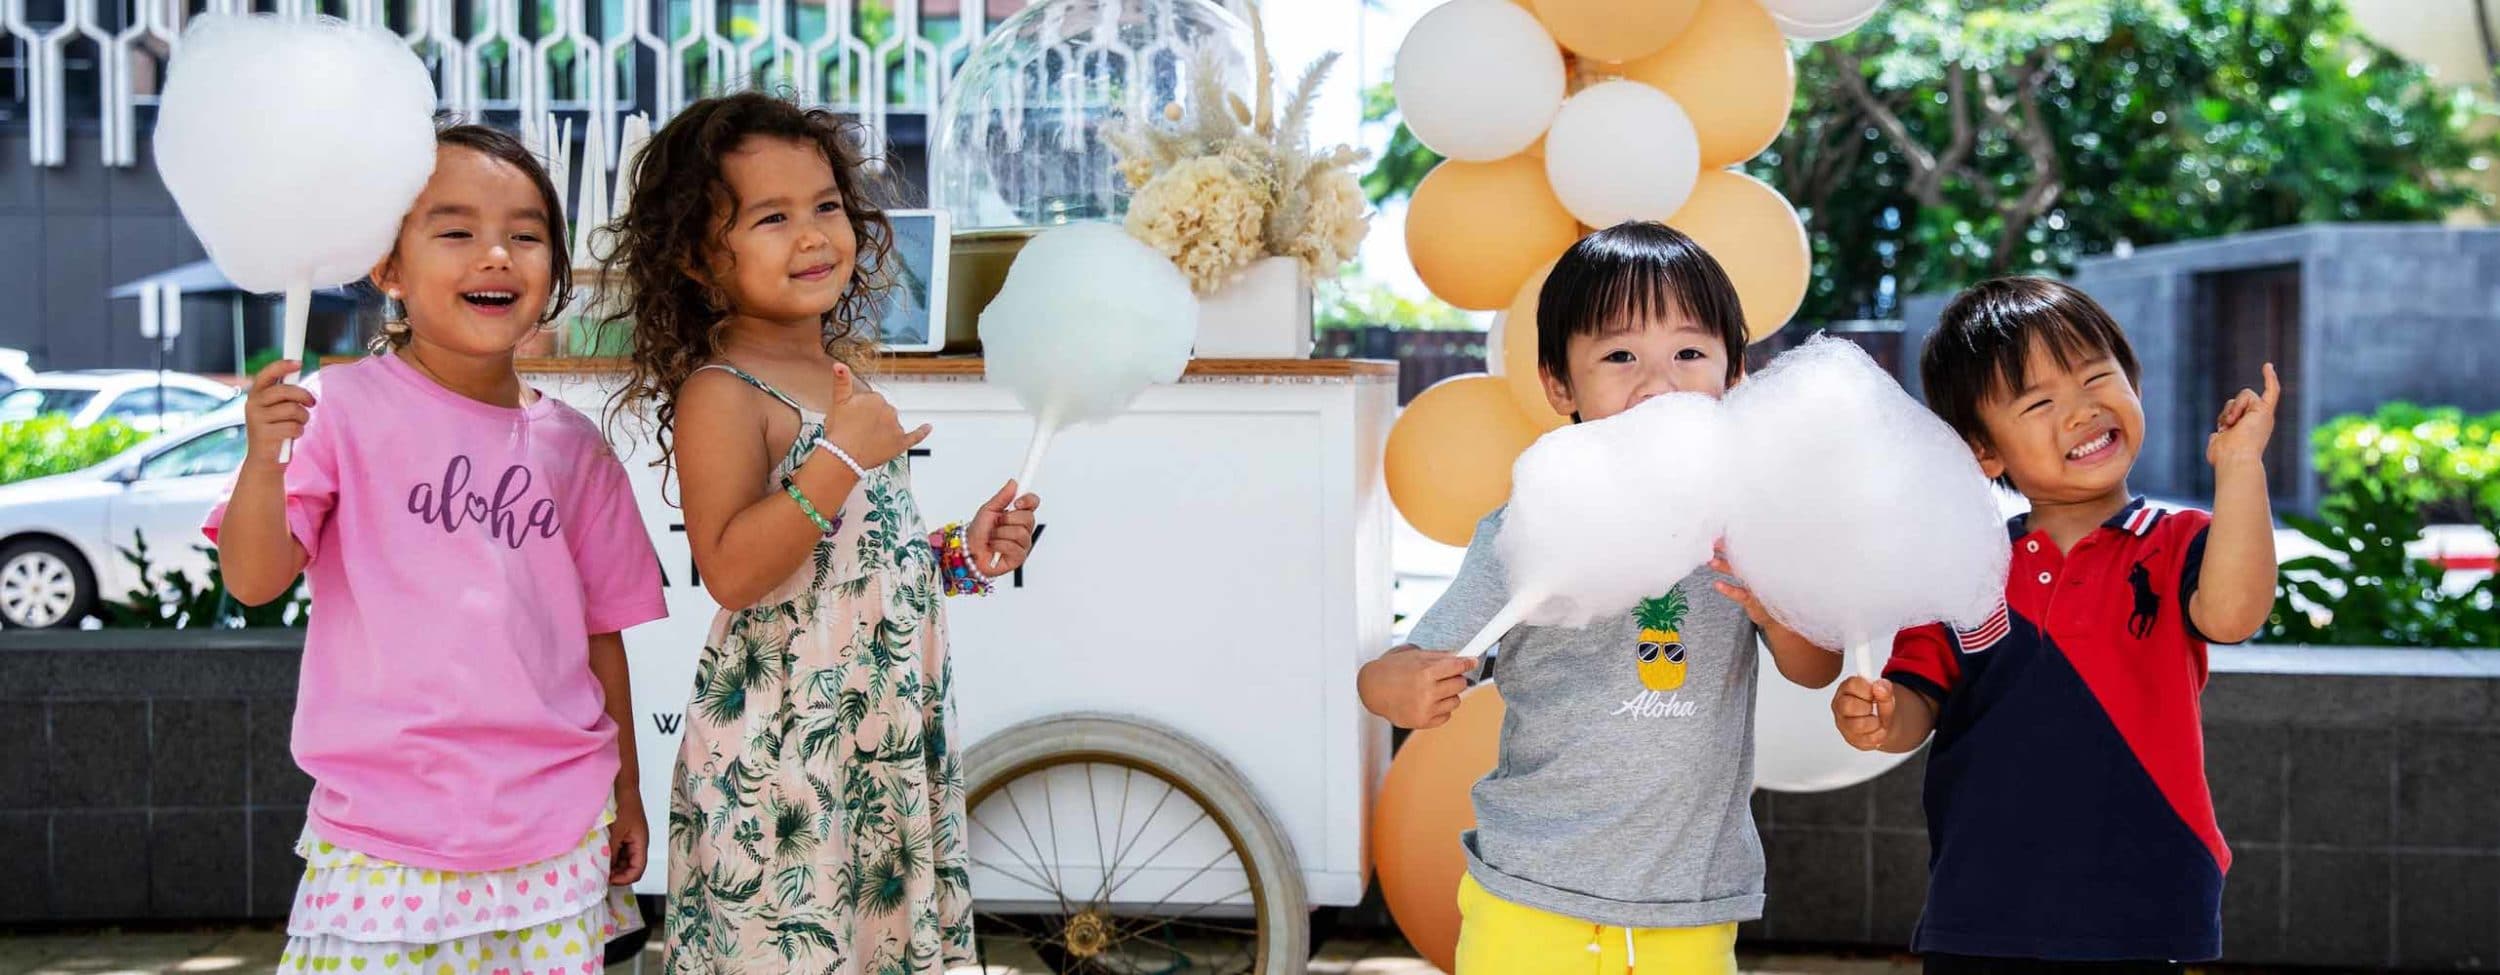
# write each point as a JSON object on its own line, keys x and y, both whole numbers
{"x": 473, "y": 266}
{"x": 2070, "y": 434}
{"x": 789, "y": 246}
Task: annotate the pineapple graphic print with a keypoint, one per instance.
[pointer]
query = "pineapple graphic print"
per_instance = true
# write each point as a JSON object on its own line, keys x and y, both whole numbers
{"x": 1662, "y": 641}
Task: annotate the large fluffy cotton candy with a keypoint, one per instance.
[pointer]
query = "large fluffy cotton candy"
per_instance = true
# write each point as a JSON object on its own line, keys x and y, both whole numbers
{"x": 1854, "y": 512}
{"x": 1087, "y": 318}
{"x": 1605, "y": 514}
{"x": 293, "y": 147}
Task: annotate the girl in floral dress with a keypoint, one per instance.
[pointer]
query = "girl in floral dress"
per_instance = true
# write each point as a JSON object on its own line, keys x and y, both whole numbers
{"x": 816, "y": 823}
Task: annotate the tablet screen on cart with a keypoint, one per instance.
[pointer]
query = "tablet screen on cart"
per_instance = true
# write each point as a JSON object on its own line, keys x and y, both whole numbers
{"x": 913, "y": 311}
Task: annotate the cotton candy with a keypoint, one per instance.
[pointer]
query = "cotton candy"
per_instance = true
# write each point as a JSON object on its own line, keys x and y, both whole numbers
{"x": 1853, "y": 512}
{"x": 293, "y": 147}
{"x": 1605, "y": 514}
{"x": 1087, "y": 319}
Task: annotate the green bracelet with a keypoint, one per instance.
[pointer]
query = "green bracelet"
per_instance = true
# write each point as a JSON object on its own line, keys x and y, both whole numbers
{"x": 792, "y": 488}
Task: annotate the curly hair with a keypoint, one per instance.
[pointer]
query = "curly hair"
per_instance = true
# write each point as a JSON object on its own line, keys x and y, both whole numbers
{"x": 503, "y": 147}
{"x": 680, "y": 219}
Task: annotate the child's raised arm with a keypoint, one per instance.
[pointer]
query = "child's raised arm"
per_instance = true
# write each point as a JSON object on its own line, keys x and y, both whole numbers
{"x": 2236, "y": 581}
{"x": 256, "y": 550}
{"x": 745, "y": 544}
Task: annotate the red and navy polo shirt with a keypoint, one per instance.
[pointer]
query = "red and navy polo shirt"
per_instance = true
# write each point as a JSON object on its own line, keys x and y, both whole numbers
{"x": 2067, "y": 811}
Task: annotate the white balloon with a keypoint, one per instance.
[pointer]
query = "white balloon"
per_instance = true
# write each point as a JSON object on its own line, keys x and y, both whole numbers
{"x": 1797, "y": 30}
{"x": 1795, "y": 746}
{"x": 1821, "y": 12}
{"x": 1622, "y": 150}
{"x": 1478, "y": 80}
{"x": 294, "y": 147}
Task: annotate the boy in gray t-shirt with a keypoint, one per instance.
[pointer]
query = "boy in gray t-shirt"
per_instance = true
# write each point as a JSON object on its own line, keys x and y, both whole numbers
{"x": 1616, "y": 821}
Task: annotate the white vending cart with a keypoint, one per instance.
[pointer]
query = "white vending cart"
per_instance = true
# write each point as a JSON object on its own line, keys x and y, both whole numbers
{"x": 1168, "y": 766}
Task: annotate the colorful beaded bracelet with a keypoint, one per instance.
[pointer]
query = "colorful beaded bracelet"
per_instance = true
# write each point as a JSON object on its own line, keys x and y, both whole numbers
{"x": 955, "y": 563}
{"x": 823, "y": 524}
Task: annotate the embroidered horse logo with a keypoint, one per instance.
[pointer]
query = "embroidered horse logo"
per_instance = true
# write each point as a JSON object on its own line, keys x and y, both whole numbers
{"x": 2147, "y": 603}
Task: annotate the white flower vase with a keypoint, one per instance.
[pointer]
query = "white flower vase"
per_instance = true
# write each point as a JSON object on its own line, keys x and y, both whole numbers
{"x": 1264, "y": 312}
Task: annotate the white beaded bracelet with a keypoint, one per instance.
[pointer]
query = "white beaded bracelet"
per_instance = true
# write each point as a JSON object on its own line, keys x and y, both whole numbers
{"x": 844, "y": 456}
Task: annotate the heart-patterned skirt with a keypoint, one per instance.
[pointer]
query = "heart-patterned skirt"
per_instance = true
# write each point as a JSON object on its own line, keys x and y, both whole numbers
{"x": 369, "y": 916}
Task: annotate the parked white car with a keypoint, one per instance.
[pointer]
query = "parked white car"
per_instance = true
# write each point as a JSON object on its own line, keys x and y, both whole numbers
{"x": 128, "y": 395}
{"x": 61, "y": 537}
{"x": 14, "y": 370}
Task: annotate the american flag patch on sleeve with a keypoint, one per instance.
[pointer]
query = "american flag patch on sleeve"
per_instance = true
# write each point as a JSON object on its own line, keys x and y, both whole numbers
{"x": 1988, "y": 634}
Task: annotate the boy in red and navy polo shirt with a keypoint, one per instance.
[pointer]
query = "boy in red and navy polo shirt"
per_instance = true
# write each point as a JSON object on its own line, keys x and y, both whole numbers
{"x": 2067, "y": 810}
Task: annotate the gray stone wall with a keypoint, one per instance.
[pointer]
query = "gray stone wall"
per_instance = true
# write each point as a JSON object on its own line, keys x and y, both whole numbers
{"x": 147, "y": 776}
{"x": 148, "y": 783}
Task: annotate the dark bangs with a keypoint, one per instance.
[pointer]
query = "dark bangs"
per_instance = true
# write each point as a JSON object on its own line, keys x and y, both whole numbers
{"x": 1978, "y": 348}
{"x": 1632, "y": 272}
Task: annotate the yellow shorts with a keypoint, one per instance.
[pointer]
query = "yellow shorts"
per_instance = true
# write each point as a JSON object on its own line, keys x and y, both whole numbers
{"x": 1497, "y": 937}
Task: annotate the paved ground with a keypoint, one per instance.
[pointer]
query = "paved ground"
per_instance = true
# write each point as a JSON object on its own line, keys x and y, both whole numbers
{"x": 256, "y": 951}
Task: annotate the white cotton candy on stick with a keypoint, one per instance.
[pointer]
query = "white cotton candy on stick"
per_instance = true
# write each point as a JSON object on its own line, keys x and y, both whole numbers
{"x": 1087, "y": 319}
{"x": 1855, "y": 513}
{"x": 293, "y": 148}
{"x": 1607, "y": 513}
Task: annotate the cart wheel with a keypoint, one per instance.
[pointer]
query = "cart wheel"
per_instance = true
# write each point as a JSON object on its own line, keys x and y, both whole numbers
{"x": 1106, "y": 846}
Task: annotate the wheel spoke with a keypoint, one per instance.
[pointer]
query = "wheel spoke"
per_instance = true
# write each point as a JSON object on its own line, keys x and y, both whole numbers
{"x": 1192, "y": 878}
{"x": 1050, "y": 814}
{"x": 1037, "y": 847}
{"x": 1168, "y": 922}
{"x": 1011, "y": 851}
{"x": 1181, "y": 932}
{"x": 1150, "y": 858}
{"x": 1111, "y": 875}
{"x": 1025, "y": 879}
{"x": 1094, "y": 811}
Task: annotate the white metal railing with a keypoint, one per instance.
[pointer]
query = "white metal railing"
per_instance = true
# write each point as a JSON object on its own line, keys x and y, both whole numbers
{"x": 598, "y": 58}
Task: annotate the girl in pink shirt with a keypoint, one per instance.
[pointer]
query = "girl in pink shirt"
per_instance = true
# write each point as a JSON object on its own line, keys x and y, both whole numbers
{"x": 474, "y": 551}
{"x": 816, "y": 823}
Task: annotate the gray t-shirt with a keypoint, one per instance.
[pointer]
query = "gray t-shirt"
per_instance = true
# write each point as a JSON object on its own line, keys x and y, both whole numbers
{"x": 1623, "y": 791}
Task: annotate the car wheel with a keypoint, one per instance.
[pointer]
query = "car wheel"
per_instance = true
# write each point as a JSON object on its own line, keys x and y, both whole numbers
{"x": 44, "y": 584}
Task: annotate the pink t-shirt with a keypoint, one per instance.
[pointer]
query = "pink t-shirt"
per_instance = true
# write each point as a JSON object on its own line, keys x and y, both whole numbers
{"x": 462, "y": 555}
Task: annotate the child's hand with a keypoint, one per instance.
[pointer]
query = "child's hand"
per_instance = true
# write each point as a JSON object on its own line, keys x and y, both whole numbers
{"x": 1002, "y": 530}
{"x": 1735, "y": 588}
{"x": 274, "y": 412}
{"x": 2246, "y": 424}
{"x": 1414, "y": 688}
{"x": 863, "y": 424}
{"x": 1863, "y": 711}
{"x": 629, "y": 842}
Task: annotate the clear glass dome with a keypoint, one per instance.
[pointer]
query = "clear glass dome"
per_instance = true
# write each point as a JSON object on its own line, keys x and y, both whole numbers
{"x": 1018, "y": 140}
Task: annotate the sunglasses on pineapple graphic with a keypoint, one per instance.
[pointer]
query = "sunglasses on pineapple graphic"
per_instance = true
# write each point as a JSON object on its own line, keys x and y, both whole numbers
{"x": 1662, "y": 641}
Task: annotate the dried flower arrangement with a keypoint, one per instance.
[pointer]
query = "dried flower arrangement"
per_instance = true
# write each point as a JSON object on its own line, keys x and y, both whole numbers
{"x": 1221, "y": 184}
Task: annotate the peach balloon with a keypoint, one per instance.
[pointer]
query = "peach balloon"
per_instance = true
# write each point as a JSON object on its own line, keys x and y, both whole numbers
{"x": 1449, "y": 455}
{"x": 1519, "y": 367}
{"x": 1732, "y": 73}
{"x": 1757, "y": 237}
{"x": 1475, "y": 230}
{"x": 1615, "y": 30}
{"x": 1423, "y": 809}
